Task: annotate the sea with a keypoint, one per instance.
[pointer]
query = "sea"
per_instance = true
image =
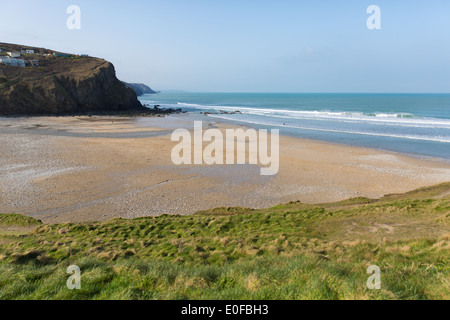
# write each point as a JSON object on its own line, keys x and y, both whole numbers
{"x": 413, "y": 124}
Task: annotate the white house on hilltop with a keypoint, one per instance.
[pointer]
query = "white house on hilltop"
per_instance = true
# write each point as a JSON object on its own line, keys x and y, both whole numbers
{"x": 29, "y": 51}
{"x": 13, "y": 54}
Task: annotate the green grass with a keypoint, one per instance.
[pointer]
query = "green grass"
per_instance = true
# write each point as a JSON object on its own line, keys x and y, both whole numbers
{"x": 292, "y": 251}
{"x": 18, "y": 220}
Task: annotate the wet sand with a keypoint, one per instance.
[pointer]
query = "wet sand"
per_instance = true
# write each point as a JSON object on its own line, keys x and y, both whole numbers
{"x": 83, "y": 169}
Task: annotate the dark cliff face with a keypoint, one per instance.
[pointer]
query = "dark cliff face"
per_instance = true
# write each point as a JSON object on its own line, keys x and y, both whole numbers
{"x": 64, "y": 85}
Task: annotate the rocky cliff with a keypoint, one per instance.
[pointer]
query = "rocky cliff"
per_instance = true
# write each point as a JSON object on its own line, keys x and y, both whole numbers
{"x": 62, "y": 84}
{"x": 140, "y": 88}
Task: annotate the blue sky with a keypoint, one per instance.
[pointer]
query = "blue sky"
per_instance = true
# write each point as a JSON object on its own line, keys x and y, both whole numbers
{"x": 250, "y": 45}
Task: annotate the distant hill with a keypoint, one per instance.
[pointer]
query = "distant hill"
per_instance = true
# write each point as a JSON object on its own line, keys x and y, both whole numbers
{"x": 60, "y": 84}
{"x": 140, "y": 88}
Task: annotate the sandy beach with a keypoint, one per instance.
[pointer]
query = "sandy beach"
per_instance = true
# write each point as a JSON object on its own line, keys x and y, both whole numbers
{"x": 74, "y": 169}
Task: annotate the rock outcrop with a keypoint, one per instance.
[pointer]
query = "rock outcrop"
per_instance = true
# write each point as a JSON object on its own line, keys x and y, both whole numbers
{"x": 62, "y": 84}
{"x": 140, "y": 88}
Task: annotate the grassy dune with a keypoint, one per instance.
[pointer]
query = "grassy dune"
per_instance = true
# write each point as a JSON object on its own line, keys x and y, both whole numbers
{"x": 291, "y": 251}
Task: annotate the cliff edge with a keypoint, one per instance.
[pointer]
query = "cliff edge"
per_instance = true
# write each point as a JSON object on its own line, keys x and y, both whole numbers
{"x": 54, "y": 83}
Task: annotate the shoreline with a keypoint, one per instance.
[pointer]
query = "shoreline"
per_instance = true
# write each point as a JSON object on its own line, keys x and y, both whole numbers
{"x": 236, "y": 123}
{"x": 291, "y": 135}
{"x": 399, "y": 153}
{"x": 202, "y": 117}
{"x": 84, "y": 169}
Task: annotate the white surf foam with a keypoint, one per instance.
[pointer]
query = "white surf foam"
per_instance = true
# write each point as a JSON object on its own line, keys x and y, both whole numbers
{"x": 398, "y": 119}
{"x": 401, "y": 136}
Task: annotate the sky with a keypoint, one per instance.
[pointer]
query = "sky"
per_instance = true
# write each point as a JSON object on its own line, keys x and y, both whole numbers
{"x": 249, "y": 45}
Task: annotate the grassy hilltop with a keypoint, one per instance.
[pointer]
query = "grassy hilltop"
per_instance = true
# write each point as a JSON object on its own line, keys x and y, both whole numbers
{"x": 292, "y": 251}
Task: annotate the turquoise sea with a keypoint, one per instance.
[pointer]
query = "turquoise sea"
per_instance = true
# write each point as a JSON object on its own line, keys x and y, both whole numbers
{"x": 417, "y": 124}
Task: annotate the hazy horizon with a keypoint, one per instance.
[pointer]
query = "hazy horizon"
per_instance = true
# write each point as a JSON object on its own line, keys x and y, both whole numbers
{"x": 299, "y": 92}
{"x": 261, "y": 47}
